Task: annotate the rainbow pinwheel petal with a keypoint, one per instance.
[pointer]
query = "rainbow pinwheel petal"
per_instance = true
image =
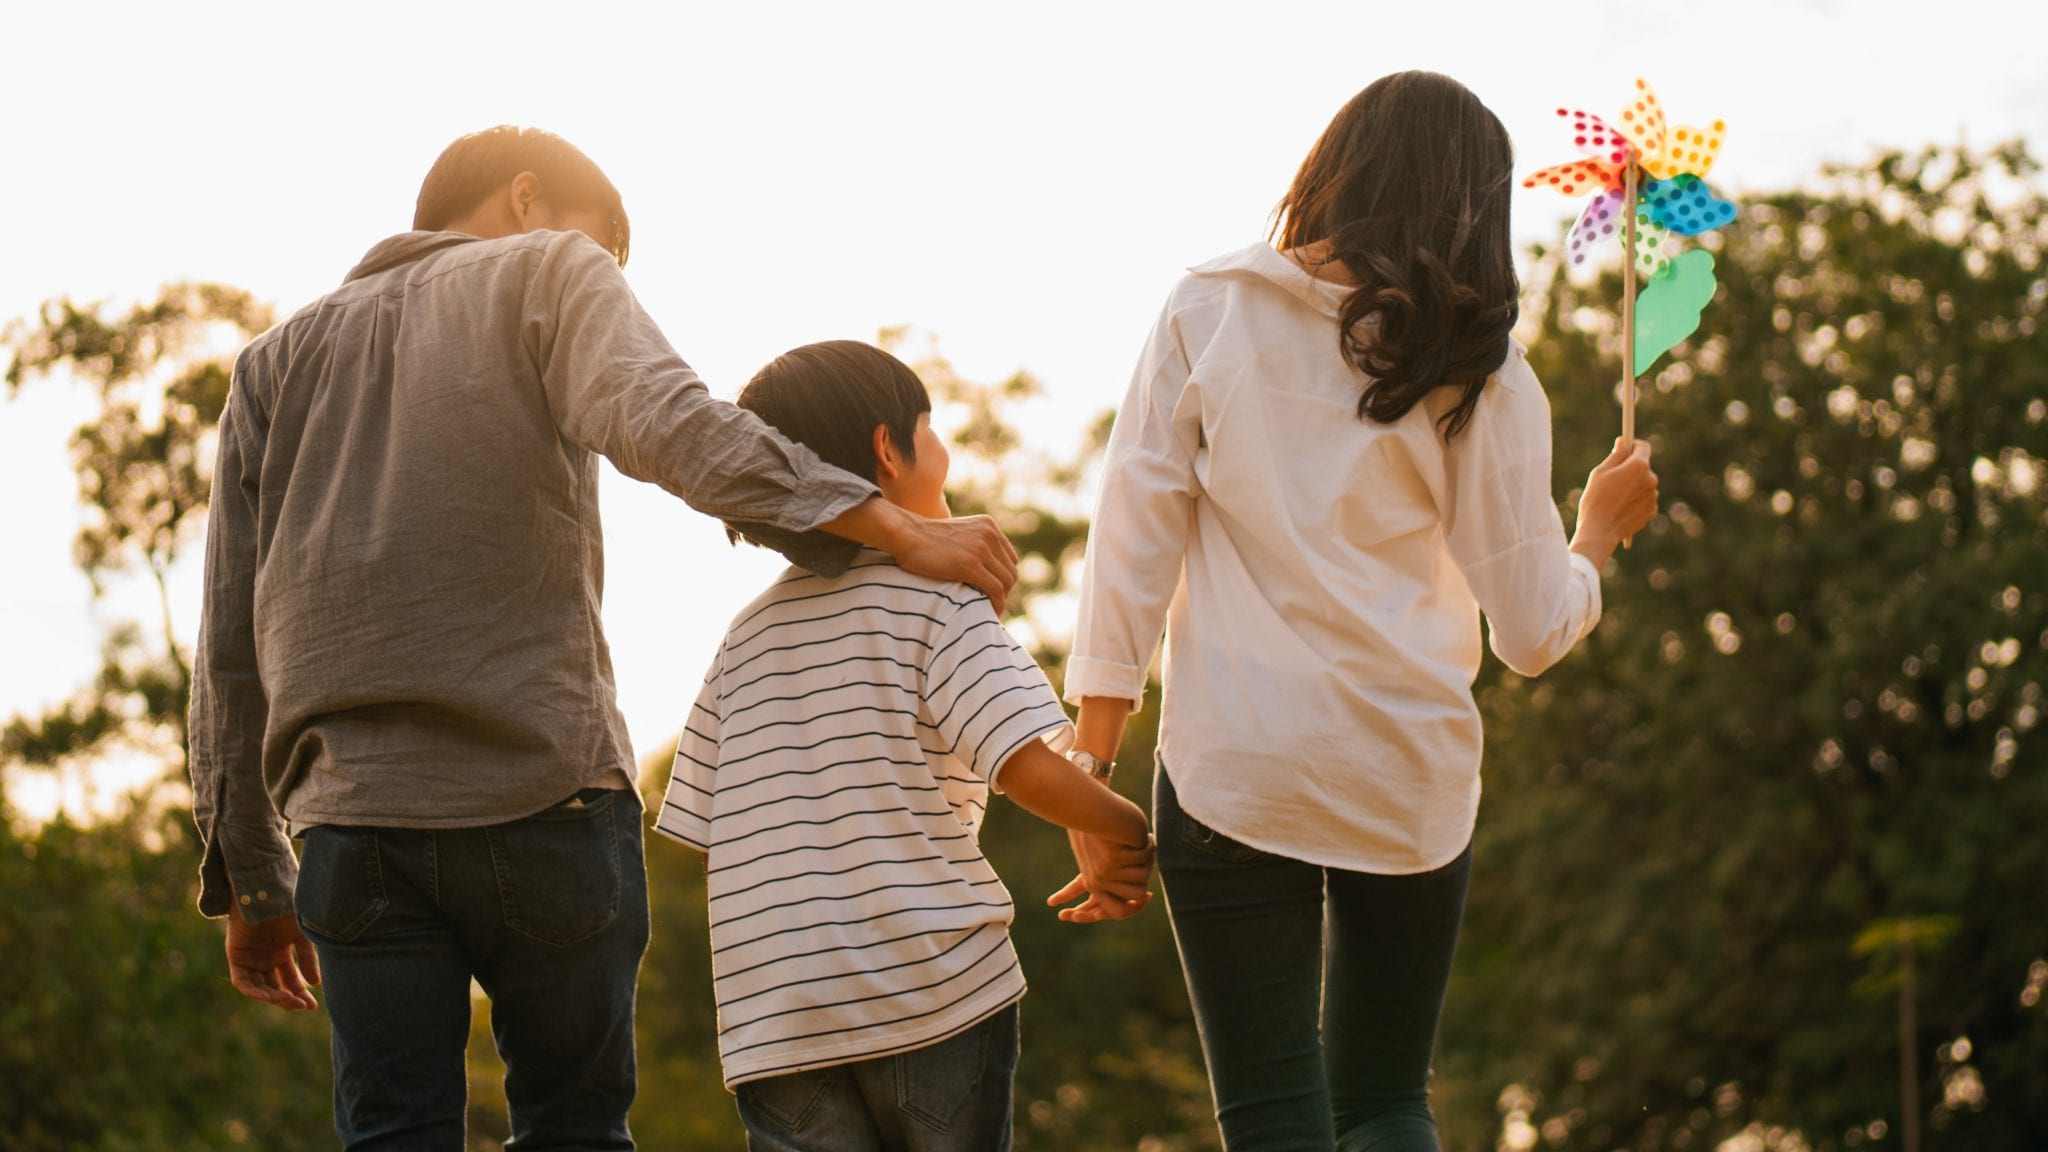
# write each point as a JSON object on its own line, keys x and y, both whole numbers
{"x": 1642, "y": 122}
{"x": 1654, "y": 247}
{"x": 1592, "y": 136}
{"x": 1685, "y": 205}
{"x": 1601, "y": 219}
{"x": 1689, "y": 149}
{"x": 1576, "y": 177}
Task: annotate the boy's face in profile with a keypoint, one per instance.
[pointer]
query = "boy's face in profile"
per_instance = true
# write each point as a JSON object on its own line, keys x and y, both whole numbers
{"x": 920, "y": 484}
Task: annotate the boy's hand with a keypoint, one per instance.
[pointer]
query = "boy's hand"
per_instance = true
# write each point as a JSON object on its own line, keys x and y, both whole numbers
{"x": 1114, "y": 877}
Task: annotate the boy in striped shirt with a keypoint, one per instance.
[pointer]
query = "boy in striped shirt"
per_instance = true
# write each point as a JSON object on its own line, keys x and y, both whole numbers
{"x": 834, "y": 770}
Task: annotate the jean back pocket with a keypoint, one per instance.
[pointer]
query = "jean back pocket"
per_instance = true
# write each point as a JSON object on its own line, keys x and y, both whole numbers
{"x": 558, "y": 871}
{"x": 340, "y": 892}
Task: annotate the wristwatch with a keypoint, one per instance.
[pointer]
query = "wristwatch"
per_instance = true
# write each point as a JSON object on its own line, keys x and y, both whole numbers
{"x": 1092, "y": 764}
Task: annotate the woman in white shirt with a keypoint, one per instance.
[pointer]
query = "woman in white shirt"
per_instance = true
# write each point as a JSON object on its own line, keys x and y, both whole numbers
{"x": 1332, "y": 459}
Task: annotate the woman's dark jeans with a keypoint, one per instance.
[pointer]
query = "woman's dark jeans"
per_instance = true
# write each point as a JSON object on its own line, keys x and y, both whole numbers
{"x": 548, "y": 914}
{"x": 1316, "y": 991}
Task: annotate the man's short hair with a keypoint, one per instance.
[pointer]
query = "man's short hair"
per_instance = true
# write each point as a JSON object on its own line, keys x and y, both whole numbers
{"x": 830, "y": 396}
{"x": 480, "y": 163}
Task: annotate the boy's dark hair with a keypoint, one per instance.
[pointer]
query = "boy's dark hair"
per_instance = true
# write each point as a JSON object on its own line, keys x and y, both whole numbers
{"x": 830, "y": 396}
{"x": 1409, "y": 184}
{"x": 482, "y": 162}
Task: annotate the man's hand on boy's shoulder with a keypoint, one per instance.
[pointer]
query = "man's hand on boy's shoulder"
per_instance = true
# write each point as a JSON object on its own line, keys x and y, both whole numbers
{"x": 970, "y": 549}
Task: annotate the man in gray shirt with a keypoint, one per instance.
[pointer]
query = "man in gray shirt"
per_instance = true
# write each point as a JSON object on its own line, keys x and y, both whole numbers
{"x": 401, "y": 658}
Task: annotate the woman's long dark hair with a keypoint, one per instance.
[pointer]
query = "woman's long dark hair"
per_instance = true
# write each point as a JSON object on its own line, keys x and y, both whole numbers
{"x": 1409, "y": 185}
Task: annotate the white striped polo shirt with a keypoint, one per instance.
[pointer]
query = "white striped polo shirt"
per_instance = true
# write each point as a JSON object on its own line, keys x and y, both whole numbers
{"x": 835, "y": 769}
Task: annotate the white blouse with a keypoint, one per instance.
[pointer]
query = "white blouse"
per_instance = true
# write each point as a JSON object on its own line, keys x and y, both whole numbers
{"x": 1320, "y": 576}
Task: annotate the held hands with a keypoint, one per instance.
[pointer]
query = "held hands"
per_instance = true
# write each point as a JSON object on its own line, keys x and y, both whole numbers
{"x": 1113, "y": 876}
{"x": 1619, "y": 500}
{"x": 273, "y": 962}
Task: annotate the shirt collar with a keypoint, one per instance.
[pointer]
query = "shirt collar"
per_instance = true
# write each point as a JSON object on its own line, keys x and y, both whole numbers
{"x": 1261, "y": 261}
{"x": 404, "y": 248}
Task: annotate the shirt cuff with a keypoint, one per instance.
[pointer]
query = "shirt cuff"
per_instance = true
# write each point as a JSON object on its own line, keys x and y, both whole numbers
{"x": 1088, "y": 676}
{"x": 1591, "y": 575}
{"x": 687, "y": 829}
{"x": 824, "y": 493}
{"x": 259, "y": 893}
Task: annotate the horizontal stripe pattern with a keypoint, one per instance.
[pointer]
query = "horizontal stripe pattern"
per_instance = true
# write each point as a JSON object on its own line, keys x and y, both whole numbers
{"x": 835, "y": 768}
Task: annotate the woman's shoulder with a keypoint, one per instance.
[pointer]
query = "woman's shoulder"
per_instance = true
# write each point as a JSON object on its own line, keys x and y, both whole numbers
{"x": 1512, "y": 405}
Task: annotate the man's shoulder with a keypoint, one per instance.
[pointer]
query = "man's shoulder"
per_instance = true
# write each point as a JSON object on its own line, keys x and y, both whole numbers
{"x": 397, "y": 266}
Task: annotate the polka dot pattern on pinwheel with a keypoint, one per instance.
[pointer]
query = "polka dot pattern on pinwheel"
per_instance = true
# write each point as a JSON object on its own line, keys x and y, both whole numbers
{"x": 1673, "y": 200}
{"x": 1654, "y": 247}
{"x": 1575, "y": 178}
{"x": 1685, "y": 205}
{"x": 1642, "y": 121}
{"x": 1601, "y": 219}
{"x": 1690, "y": 149}
{"x": 1591, "y": 135}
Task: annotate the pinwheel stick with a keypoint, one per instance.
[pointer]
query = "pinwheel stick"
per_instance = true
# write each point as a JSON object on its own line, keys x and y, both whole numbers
{"x": 1628, "y": 317}
{"x": 1628, "y": 308}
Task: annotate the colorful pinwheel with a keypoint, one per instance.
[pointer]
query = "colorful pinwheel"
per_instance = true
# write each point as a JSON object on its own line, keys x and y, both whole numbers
{"x": 1668, "y": 168}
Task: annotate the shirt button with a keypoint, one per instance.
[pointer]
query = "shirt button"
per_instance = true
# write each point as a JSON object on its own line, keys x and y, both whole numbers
{"x": 263, "y": 895}
{"x": 245, "y": 899}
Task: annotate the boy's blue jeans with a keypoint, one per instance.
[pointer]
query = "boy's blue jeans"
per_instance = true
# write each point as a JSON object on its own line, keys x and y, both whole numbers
{"x": 548, "y": 914}
{"x": 1316, "y": 991}
{"x": 952, "y": 1096}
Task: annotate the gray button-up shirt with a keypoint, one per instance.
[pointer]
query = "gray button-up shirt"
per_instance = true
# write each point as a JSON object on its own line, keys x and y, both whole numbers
{"x": 404, "y": 562}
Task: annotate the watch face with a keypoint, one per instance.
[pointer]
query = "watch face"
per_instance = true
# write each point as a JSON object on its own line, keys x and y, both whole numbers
{"x": 1089, "y": 763}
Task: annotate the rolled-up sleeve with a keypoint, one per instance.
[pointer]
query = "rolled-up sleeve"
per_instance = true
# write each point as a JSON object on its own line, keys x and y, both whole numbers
{"x": 617, "y": 388}
{"x": 247, "y": 860}
{"x": 1138, "y": 541}
{"x": 1504, "y": 530}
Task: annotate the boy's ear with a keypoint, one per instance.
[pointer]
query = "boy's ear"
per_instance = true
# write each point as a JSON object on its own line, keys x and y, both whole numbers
{"x": 888, "y": 461}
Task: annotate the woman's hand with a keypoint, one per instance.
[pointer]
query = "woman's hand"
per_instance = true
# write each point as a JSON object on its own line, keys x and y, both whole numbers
{"x": 1619, "y": 500}
{"x": 1113, "y": 876}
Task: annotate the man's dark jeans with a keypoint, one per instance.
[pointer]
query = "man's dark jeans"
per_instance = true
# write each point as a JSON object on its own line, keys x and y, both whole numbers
{"x": 548, "y": 914}
{"x": 1316, "y": 991}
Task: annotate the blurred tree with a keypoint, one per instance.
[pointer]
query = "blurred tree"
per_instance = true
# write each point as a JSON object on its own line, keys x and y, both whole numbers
{"x": 119, "y": 1030}
{"x": 160, "y": 373}
{"x": 1812, "y": 708}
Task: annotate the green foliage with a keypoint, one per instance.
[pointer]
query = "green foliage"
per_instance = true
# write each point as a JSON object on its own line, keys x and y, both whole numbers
{"x": 118, "y": 1030}
{"x": 1811, "y": 711}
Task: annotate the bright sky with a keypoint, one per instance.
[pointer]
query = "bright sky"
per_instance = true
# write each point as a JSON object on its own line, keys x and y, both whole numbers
{"x": 1024, "y": 181}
